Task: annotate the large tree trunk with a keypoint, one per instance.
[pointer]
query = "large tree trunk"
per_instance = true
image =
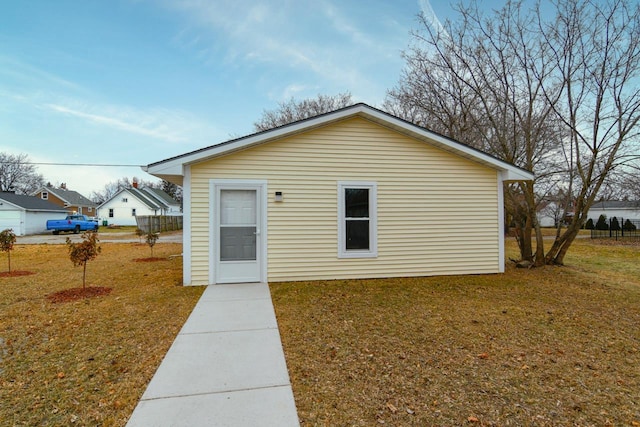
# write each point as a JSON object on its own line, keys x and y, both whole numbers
{"x": 561, "y": 245}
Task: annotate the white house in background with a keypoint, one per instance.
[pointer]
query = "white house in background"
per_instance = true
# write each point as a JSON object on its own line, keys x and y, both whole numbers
{"x": 619, "y": 209}
{"x": 27, "y": 214}
{"x": 123, "y": 207}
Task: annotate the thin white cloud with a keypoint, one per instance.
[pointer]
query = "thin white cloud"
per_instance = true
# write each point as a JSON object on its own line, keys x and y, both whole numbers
{"x": 431, "y": 17}
{"x": 147, "y": 127}
{"x": 340, "y": 56}
{"x": 19, "y": 72}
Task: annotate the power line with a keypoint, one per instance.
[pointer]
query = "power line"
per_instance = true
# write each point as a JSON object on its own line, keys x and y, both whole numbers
{"x": 72, "y": 164}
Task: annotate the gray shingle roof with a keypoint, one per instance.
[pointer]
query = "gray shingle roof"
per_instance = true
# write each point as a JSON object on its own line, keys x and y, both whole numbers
{"x": 30, "y": 203}
{"x": 617, "y": 204}
{"x": 72, "y": 197}
{"x": 161, "y": 195}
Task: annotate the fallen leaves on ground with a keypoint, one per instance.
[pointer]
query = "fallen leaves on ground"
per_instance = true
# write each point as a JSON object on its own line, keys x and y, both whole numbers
{"x": 545, "y": 347}
{"x": 86, "y": 362}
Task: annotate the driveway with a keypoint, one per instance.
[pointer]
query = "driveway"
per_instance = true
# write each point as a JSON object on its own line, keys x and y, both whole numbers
{"x": 60, "y": 239}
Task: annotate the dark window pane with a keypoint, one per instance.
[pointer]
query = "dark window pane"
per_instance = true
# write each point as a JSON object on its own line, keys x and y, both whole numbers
{"x": 237, "y": 243}
{"x": 356, "y": 202}
{"x": 357, "y": 234}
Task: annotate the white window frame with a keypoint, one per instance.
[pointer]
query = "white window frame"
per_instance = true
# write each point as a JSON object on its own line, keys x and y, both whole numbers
{"x": 44, "y": 195}
{"x": 372, "y": 252}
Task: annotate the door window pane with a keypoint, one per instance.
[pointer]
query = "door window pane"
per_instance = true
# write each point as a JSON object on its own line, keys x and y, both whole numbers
{"x": 237, "y": 243}
{"x": 237, "y": 207}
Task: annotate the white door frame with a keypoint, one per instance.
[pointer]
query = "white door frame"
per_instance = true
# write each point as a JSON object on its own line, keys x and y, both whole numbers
{"x": 260, "y": 186}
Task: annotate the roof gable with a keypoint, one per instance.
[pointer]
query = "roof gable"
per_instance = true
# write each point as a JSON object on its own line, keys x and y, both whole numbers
{"x": 151, "y": 199}
{"x": 73, "y": 198}
{"x": 172, "y": 169}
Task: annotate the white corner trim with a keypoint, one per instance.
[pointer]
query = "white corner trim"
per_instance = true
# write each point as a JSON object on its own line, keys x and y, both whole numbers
{"x": 186, "y": 227}
{"x": 501, "y": 236}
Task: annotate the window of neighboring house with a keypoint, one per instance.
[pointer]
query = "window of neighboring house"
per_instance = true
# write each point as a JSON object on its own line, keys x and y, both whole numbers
{"x": 133, "y": 212}
{"x": 357, "y": 219}
{"x": 110, "y": 213}
{"x": 124, "y": 200}
{"x": 66, "y": 205}
{"x": 44, "y": 195}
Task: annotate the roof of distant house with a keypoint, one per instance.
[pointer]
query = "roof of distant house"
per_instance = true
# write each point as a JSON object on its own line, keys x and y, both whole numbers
{"x": 617, "y": 204}
{"x": 73, "y": 198}
{"x": 152, "y": 197}
{"x": 30, "y": 203}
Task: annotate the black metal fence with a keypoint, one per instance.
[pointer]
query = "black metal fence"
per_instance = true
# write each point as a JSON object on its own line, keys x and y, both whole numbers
{"x": 619, "y": 228}
{"x": 159, "y": 223}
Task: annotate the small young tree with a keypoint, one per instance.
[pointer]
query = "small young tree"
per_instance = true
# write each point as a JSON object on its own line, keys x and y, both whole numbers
{"x": 83, "y": 252}
{"x": 140, "y": 232}
{"x": 7, "y": 240}
{"x": 151, "y": 240}
{"x": 589, "y": 225}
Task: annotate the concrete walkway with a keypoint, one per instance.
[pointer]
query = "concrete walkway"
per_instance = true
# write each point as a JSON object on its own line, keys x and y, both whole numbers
{"x": 225, "y": 368}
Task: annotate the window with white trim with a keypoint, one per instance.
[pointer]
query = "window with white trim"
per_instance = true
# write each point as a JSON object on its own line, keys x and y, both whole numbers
{"x": 357, "y": 219}
{"x": 110, "y": 213}
{"x": 44, "y": 195}
{"x": 133, "y": 212}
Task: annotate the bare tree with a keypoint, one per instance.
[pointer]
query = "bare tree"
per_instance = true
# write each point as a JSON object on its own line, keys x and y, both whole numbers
{"x": 596, "y": 61}
{"x": 173, "y": 190}
{"x": 478, "y": 81}
{"x": 554, "y": 96}
{"x": 292, "y": 110}
{"x": 18, "y": 174}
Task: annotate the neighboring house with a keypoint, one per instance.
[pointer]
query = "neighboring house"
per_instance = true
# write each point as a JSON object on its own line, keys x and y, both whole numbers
{"x": 27, "y": 214}
{"x": 356, "y": 193}
{"x": 72, "y": 201}
{"x": 123, "y": 207}
{"x": 620, "y": 209}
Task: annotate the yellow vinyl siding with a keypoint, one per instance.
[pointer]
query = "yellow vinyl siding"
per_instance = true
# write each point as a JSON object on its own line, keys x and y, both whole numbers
{"x": 437, "y": 212}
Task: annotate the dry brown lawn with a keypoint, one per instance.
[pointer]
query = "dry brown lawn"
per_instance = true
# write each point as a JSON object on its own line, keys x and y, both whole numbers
{"x": 544, "y": 347}
{"x": 86, "y": 362}
{"x": 553, "y": 346}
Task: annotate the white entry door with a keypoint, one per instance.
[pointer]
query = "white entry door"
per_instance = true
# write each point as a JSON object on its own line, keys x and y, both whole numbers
{"x": 239, "y": 243}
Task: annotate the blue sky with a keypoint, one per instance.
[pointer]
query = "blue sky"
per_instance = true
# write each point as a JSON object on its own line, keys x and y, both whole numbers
{"x": 136, "y": 81}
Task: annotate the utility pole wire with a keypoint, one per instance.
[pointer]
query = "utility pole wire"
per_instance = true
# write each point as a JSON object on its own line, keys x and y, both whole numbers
{"x": 71, "y": 164}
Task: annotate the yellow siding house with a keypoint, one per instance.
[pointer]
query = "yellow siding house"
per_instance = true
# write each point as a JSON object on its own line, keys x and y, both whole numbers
{"x": 356, "y": 193}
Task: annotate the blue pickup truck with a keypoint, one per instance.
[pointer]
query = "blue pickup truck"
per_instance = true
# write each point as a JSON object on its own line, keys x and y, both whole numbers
{"x": 72, "y": 223}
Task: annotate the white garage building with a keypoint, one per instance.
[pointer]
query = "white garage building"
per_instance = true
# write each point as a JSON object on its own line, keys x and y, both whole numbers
{"x": 27, "y": 214}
